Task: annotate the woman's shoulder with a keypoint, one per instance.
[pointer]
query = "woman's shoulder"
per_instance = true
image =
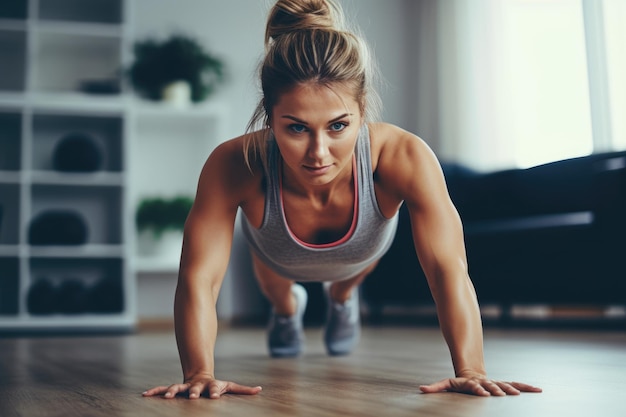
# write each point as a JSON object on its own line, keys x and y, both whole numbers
{"x": 231, "y": 156}
{"x": 404, "y": 163}
{"x": 228, "y": 165}
{"x": 390, "y": 144}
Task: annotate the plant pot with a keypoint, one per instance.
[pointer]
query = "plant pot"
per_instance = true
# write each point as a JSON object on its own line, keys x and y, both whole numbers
{"x": 177, "y": 94}
{"x": 166, "y": 248}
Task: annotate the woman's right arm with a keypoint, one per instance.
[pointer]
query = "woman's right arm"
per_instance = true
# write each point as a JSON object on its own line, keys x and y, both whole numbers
{"x": 206, "y": 250}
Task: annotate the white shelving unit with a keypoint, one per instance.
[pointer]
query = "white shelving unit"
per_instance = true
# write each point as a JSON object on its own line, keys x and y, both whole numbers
{"x": 48, "y": 50}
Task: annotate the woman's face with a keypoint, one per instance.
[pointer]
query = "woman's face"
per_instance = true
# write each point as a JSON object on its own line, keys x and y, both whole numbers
{"x": 316, "y": 128}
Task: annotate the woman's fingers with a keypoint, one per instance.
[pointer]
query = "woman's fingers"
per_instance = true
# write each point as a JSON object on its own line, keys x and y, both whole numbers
{"x": 214, "y": 388}
{"x": 508, "y": 388}
{"x": 234, "y": 388}
{"x": 442, "y": 385}
{"x": 479, "y": 386}
{"x": 493, "y": 388}
{"x": 155, "y": 391}
{"x": 195, "y": 391}
{"x": 220, "y": 388}
{"x": 175, "y": 389}
{"x": 525, "y": 387}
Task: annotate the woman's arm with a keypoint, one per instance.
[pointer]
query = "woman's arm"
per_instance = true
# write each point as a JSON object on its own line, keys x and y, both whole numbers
{"x": 409, "y": 168}
{"x": 206, "y": 250}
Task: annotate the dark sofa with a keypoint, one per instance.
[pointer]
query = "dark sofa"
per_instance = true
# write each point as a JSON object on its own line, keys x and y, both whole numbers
{"x": 552, "y": 234}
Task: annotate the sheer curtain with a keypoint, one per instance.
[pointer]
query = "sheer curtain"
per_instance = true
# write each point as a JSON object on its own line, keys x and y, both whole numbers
{"x": 615, "y": 36}
{"x": 522, "y": 82}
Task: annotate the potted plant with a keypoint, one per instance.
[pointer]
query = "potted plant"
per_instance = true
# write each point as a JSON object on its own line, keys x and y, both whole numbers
{"x": 160, "y": 223}
{"x": 173, "y": 66}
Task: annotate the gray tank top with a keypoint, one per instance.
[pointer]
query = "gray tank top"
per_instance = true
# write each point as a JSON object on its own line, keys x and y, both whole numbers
{"x": 368, "y": 240}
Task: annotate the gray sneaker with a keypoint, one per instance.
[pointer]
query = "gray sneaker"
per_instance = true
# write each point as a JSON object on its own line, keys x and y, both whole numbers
{"x": 343, "y": 325}
{"x": 286, "y": 333}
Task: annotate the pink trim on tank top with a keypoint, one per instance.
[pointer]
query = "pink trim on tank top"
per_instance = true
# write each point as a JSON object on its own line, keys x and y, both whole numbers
{"x": 355, "y": 213}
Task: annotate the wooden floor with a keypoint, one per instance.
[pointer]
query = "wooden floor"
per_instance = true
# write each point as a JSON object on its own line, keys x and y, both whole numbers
{"x": 582, "y": 374}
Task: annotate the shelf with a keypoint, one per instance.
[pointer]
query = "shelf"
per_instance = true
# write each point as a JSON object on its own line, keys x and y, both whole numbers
{"x": 79, "y": 251}
{"x": 58, "y": 322}
{"x": 77, "y": 102}
{"x": 66, "y": 102}
{"x": 9, "y": 250}
{"x": 10, "y": 177}
{"x": 96, "y": 179}
{"x": 155, "y": 265}
{"x": 80, "y": 29}
{"x": 154, "y": 109}
{"x": 13, "y": 25}
{"x": 11, "y": 101}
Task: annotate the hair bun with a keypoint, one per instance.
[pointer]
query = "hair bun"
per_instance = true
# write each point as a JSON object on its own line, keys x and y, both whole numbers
{"x": 295, "y": 15}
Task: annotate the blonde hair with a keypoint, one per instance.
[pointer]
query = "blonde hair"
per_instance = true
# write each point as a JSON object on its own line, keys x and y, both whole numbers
{"x": 307, "y": 41}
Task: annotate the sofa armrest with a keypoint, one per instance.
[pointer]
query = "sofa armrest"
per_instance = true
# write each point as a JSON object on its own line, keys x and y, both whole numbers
{"x": 547, "y": 221}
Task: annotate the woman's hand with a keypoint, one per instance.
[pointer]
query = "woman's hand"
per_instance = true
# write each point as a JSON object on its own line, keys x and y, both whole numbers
{"x": 197, "y": 386}
{"x": 479, "y": 385}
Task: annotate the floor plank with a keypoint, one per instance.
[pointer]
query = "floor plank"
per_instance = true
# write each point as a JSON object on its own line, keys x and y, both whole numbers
{"x": 582, "y": 373}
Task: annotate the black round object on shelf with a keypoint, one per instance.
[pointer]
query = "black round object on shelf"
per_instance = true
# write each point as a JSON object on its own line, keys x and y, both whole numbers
{"x": 42, "y": 298}
{"x": 106, "y": 296}
{"x": 58, "y": 227}
{"x": 77, "y": 152}
{"x": 73, "y": 297}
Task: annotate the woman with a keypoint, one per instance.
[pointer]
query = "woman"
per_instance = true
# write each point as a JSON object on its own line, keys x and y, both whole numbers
{"x": 320, "y": 186}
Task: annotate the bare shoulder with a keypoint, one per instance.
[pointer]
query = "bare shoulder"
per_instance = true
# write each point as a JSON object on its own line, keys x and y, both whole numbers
{"x": 389, "y": 141}
{"x": 227, "y": 174}
{"x": 404, "y": 164}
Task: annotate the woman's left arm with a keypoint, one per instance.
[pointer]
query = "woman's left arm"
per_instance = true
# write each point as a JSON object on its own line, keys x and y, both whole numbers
{"x": 409, "y": 168}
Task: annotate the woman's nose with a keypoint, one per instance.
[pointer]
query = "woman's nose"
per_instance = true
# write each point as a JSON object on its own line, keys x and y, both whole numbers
{"x": 318, "y": 147}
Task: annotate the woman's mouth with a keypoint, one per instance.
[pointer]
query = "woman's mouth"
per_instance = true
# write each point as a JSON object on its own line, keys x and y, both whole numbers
{"x": 317, "y": 170}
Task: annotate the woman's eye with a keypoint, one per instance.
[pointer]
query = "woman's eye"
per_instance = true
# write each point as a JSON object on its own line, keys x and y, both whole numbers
{"x": 338, "y": 126}
{"x": 296, "y": 128}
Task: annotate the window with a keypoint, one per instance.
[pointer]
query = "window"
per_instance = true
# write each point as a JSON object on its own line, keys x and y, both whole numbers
{"x": 545, "y": 81}
{"x": 565, "y": 73}
{"x": 525, "y": 82}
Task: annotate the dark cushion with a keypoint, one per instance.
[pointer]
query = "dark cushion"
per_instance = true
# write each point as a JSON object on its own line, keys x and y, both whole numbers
{"x": 58, "y": 227}
{"x": 77, "y": 152}
{"x": 42, "y": 297}
{"x": 72, "y": 296}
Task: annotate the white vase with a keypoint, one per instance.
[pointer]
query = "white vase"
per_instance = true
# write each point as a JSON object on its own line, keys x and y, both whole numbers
{"x": 177, "y": 94}
{"x": 166, "y": 248}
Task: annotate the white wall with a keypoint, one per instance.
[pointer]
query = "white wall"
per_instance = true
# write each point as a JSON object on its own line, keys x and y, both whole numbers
{"x": 234, "y": 30}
